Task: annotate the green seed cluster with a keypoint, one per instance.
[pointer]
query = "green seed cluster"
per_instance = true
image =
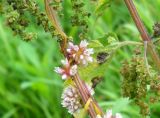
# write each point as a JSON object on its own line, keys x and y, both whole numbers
{"x": 156, "y": 29}
{"x": 135, "y": 78}
{"x": 155, "y": 88}
{"x": 139, "y": 85}
{"x": 1, "y": 7}
{"x": 79, "y": 17}
{"x": 56, "y": 5}
{"x": 157, "y": 45}
{"x": 17, "y": 12}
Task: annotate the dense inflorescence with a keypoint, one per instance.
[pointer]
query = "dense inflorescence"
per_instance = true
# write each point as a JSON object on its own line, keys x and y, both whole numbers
{"x": 79, "y": 17}
{"x": 77, "y": 54}
{"x": 138, "y": 84}
{"x": 57, "y": 6}
{"x": 71, "y": 99}
{"x": 17, "y": 12}
{"x": 156, "y": 29}
{"x": 135, "y": 82}
{"x": 155, "y": 88}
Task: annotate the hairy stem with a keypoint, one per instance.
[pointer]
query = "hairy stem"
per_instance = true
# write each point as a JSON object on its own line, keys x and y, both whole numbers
{"x": 140, "y": 26}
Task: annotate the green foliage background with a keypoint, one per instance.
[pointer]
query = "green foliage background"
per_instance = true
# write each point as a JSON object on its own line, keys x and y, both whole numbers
{"x": 30, "y": 89}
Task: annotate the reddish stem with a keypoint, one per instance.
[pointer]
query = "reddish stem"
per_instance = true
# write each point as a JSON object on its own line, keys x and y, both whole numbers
{"x": 84, "y": 95}
{"x": 140, "y": 26}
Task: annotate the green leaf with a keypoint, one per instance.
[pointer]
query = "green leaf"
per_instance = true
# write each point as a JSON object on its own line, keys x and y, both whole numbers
{"x": 102, "y": 5}
{"x": 10, "y": 113}
{"x": 29, "y": 54}
{"x": 95, "y": 69}
{"x": 108, "y": 39}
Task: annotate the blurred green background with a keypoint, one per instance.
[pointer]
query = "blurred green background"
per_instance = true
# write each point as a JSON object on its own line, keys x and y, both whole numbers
{"x": 30, "y": 89}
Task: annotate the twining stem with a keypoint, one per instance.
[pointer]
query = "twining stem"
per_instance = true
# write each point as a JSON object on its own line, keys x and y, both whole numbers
{"x": 51, "y": 13}
{"x": 84, "y": 93}
{"x": 140, "y": 26}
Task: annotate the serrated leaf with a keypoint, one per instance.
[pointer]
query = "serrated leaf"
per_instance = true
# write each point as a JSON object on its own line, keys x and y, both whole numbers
{"x": 108, "y": 39}
{"x": 96, "y": 45}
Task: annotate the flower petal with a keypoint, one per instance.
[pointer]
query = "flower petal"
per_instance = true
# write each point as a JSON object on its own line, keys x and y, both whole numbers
{"x": 65, "y": 62}
{"x": 108, "y": 114}
{"x": 64, "y": 76}
{"x": 73, "y": 70}
{"x": 89, "y": 59}
{"x": 58, "y": 70}
{"x": 88, "y": 51}
{"x": 83, "y": 44}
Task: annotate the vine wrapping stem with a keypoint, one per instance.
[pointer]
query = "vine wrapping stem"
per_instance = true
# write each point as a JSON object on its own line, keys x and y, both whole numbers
{"x": 83, "y": 94}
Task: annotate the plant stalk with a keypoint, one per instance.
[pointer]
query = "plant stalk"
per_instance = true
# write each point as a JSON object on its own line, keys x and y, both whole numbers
{"x": 84, "y": 93}
{"x": 143, "y": 32}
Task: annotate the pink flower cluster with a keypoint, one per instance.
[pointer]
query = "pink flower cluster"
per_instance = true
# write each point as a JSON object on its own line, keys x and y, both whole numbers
{"x": 80, "y": 54}
{"x": 71, "y": 98}
{"x": 67, "y": 70}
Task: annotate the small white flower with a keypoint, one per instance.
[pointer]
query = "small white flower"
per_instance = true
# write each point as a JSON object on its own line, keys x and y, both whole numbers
{"x": 109, "y": 115}
{"x": 58, "y": 70}
{"x": 81, "y": 54}
{"x": 67, "y": 70}
{"x": 71, "y": 99}
{"x": 65, "y": 62}
{"x": 64, "y": 76}
{"x": 83, "y": 44}
{"x": 72, "y": 47}
{"x": 88, "y": 51}
{"x": 73, "y": 70}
